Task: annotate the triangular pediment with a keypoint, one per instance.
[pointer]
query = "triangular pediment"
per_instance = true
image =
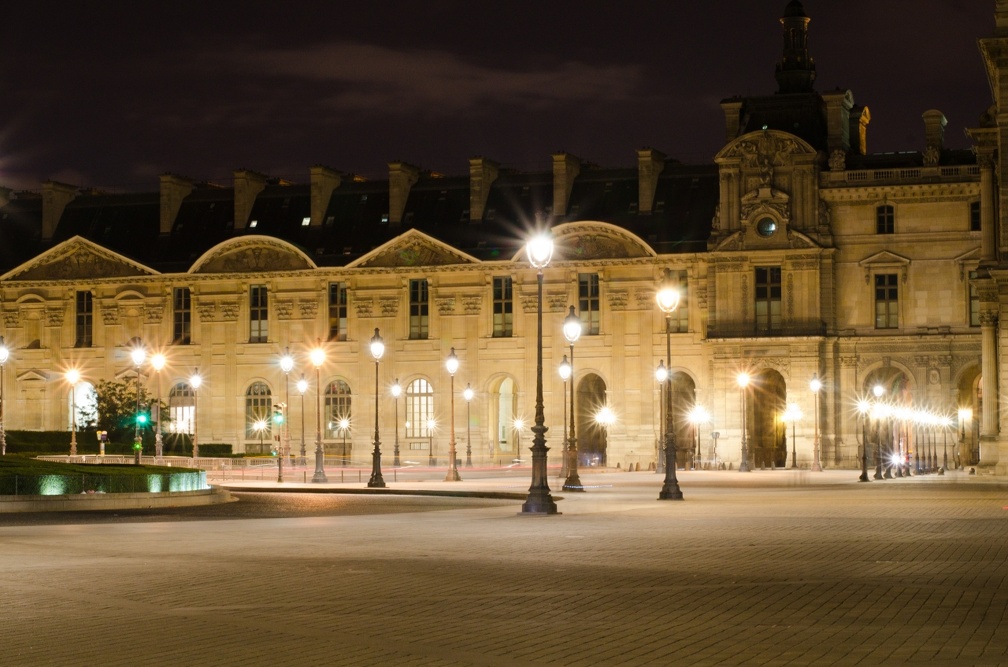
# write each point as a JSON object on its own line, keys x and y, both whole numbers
{"x": 32, "y": 375}
{"x": 252, "y": 254}
{"x": 77, "y": 259}
{"x": 884, "y": 261}
{"x": 413, "y": 248}
{"x": 586, "y": 240}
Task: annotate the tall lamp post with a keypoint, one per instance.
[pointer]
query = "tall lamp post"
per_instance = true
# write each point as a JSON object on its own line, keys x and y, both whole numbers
{"x": 377, "y": 350}
{"x": 661, "y": 375}
{"x": 317, "y": 357}
{"x": 158, "y": 362}
{"x": 572, "y": 332}
{"x": 863, "y": 407}
{"x": 195, "y": 381}
{"x": 138, "y": 355}
{"x": 668, "y": 301}
{"x": 539, "y": 500}
{"x": 815, "y": 385}
{"x": 877, "y": 392}
{"x": 468, "y": 394}
{"x": 73, "y": 377}
{"x": 452, "y": 365}
{"x": 743, "y": 383}
{"x": 286, "y": 365}
{"x": 792, "y": 414}
{"x": 698, "y": 416}
{"x": 302, "y": 387}
{"x": 396, "y": 393}
{"x": 430, "y": 442}
{"x": 965, "y": 417}
{"x": 565, "y": 373}
{"x": 4, "y": 356}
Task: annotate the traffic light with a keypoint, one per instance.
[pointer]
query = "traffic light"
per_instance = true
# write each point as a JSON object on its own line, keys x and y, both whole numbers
{"x": 278, "y": 416}
{"x": 141, "y": 419}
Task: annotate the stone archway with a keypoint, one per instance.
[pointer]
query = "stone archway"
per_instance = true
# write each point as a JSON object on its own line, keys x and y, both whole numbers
{"x": 591, "y": 437}
{"x": 969, "y": 404}
{"x": 889, "y": 438}
{"x": 767, "y": 402}
{"x": 683, "y": 400}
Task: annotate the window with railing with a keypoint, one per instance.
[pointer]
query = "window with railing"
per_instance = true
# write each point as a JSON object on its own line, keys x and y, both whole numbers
{"x": 588, "y": 302}
{"x": 768, "y": 298}
{"x": 502, "y": 307}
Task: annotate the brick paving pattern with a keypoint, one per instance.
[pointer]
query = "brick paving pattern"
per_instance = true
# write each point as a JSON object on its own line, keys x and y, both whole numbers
{"x": 768, "y": 568}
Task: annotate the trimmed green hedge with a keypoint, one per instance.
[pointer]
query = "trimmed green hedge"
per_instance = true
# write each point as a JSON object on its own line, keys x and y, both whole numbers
{"x": 21, "y": 476}
{"x": 58, "y": 442}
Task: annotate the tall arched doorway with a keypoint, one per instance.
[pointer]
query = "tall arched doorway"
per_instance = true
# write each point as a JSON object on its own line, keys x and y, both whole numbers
{"x": 766, "y": 405}
{"x": 591, "y": 436}
{"x": 889, "y": 438}
{"x": 683, "y": 400}
{"x": 503, "y": 446}
{"x": 969, "y": 403}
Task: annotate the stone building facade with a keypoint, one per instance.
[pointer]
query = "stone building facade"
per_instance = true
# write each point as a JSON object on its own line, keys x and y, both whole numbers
{"x": 799, "y": 254}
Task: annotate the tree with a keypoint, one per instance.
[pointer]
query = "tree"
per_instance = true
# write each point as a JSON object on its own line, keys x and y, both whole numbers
{"x": 115, "y": 409}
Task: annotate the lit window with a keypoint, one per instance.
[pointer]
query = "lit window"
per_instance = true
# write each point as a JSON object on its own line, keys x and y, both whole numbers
{"x": 305, "y": 221}
{"x": 886, "y": 301}
{"x": 253, "y": 224}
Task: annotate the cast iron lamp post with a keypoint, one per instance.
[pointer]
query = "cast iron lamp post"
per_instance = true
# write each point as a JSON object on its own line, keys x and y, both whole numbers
{"x": 468, "y": 394}
{"x": 668, "y": 301}
{"x": 791, "y": 415}
{"x": 430, "y": 442}
{"x": 815, "y": 385}
{"x": 661, "y": 377}
{"x": 452, "y": 365}
{"x": 195, "y": 381}
{"x": 863, "y": 407}
{"x": 73, "y": 377}
{"x": 260, "y": 428}
{"x": 302, "y": 387}
{"x": 965, "y": 416}
{"x": 377, "y": 350}
{"x": 396, "y": 393}
{"x": 565, "y": 373}
{"x": 572, "y": 332}
{"x": 605, "y": 418}
{"x": 697, "y": 416}
{"x": 138, "y": 355}
{"x": 343, "y": 424}
{"x": 286, "y": 365}
{"x": 877, "y": 392}
{"x": 4, "y": 356}
{"x": 317, "y": 357}
{"x": 743, "y": 382}
{"x": 539, "y": 501}
{"x": 158, "y": 362}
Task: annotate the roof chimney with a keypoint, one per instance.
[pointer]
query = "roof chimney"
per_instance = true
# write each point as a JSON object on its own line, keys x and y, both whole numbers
{"x": 55, "y": 197}
{"x": 838, "y": 107}
{"x": 733, "y": 117}
{"x": 402, "y": 177}
{"x": 323, "y": 181}
{"x": 482, "y": 174}
{"x": 859, "y": 119}
{"x": 173, "y": 190}
{"x": 566, "y": 168}
{"x": 934, "y": 128}
{"x": 247, "y": 185}
{"x": 650, "y": 164}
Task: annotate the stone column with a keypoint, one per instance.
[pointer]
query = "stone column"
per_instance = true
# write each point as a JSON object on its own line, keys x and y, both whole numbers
{"x": 989, "y": 370}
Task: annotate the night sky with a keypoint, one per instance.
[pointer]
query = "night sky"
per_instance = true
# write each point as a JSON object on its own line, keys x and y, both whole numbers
{"x": 113, "y": 94}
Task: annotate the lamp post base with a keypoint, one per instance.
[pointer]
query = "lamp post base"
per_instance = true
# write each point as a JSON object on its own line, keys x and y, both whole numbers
{"x": 319, "y": 476}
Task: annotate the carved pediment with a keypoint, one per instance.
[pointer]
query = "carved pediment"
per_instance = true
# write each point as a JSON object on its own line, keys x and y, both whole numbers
{"x": 252, "y": 254}
{"x": 884, "y": 261}
{"x": 77, "y": 259}
{"x": 596, "y": 240}
{"x": 413, "y": 248}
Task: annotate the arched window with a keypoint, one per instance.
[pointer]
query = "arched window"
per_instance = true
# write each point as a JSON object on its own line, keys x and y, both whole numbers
{"x": 419, "y": 408}
{"x": 258, "y": 409}
{"x": 181, "y": 408}
{"x": 337, "y": 409}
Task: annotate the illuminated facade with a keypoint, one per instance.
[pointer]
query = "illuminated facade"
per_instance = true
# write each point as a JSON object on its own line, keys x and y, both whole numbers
{"x": 799, "y": 254}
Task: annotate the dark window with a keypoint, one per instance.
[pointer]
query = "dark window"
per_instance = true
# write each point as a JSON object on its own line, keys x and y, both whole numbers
{"x": 768, "y": 299}
{"x": 502, "y": 307}
{"x": 886, "y": 301}
{"x": 588, "y": 301}
{"x": 84, "y": 320}
{"x": 181, "y": 316}
{"x": 419, "y": 307}
{"x": 885, "y": 219}
{"x": 258, "y": 314}
{"x": 974, "y": 216}
{"x": 337, "y": 311}
{"x": 974, "y": 301}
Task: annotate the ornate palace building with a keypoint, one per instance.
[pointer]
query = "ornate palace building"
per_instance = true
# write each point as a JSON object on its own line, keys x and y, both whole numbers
{"x": 798, "y": 254}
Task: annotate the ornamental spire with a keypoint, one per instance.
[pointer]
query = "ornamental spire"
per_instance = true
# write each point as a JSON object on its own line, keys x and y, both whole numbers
{"x": 796, "y": 69}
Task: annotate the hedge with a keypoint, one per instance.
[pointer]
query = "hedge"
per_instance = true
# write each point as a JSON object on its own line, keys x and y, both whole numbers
{"x": 58, "y": 442}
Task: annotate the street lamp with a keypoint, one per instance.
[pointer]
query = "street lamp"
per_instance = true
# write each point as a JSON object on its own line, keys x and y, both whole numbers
{"x": 877, "y": 392}
{"x": 396, "y": 393}
{"x": 73, "y": 377}
{"x": 572, "y": 332}
{"x": 743, "y": 382}
{"x": 302, "y": 387}
{"x": 539, "y": 501}
{"x": 452, "y": 365}
{"x": 468, "y": 394}
{"x": 317, "y": 357}
{"x": 661, "y": 377}
{"x": 815, "y": 385}
{"x": 137, "y": 355}
{"x": 260, "y": 427}
{"x": 158, "y": 363}
{"x": 377, "y": 350}
{"x": 430, "y": 442}
{"x": 863, "y": 407}
{"x": 605, "y": 418}
{"x": 565, "y": 373}
{"x": 697, "y": 416}
{"x": 965, "y": 416}
{"x": 4, "y": 356}
{"x": 792, "y": 414}
{"x": 668, "y": 301}
{"x": 343, "y": 425}
{"x": 518, "y": 424}
{"x": 195, "y": 381}
{"x": 286, "y": 365}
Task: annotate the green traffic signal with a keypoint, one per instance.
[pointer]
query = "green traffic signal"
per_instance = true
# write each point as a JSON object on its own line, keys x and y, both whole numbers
{"x": 278, "y": 417}
{"x": 141, "y": 419}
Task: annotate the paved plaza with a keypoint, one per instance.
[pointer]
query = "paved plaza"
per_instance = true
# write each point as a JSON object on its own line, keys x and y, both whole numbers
{"x": 765, "y": 568}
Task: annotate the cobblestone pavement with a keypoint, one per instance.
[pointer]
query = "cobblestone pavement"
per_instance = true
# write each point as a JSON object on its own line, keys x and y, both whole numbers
{"x": 765, "y": 568}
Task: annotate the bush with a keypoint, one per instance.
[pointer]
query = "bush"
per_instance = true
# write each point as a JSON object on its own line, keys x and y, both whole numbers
{"x": 58, "y": 442}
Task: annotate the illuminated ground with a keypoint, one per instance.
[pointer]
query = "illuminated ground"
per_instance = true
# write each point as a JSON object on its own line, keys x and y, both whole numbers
{"x": 767, "y": 568}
